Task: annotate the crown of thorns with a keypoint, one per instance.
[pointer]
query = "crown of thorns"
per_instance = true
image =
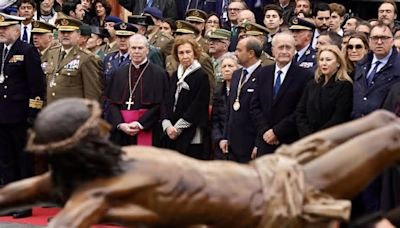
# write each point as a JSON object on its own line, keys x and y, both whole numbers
{"x": 93, "y": 124}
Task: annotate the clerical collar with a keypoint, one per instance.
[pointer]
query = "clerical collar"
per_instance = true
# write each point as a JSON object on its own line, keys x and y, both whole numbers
{"x": 138, "y": 66}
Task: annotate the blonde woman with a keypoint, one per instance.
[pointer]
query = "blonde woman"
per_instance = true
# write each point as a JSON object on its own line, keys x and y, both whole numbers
{"x": 327, "y": 100}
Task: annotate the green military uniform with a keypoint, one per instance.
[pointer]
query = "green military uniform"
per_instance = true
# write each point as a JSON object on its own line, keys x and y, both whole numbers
{"x": 196, "y": 16}
{"x": 223, "y": 36}
{"x": 74, "y": 72}
{"x": 41, "y": 28}
{"x": 260, "y": 32}
{"x": 266, "y": 59}
{"x": 163, "y": 42}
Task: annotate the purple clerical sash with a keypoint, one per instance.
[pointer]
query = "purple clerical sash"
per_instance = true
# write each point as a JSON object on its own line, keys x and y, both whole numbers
{"x": 144, "y": 138}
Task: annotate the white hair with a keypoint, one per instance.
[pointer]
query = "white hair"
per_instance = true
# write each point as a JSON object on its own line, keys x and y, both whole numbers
{"x": 287, "y": 35}
{"x": 139, "y": 38}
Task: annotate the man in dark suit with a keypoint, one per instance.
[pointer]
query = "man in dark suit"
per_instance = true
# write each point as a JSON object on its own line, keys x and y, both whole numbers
{"x": 240, "y": 132}
{"x": 278, "y": 89}
{"x": 373, "y": 78}
{"x": 26, "y": 8}
{"x": 22, "y": 85}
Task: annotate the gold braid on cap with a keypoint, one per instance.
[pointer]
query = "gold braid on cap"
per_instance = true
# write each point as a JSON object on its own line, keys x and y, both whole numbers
{"x": 92, "y": 123}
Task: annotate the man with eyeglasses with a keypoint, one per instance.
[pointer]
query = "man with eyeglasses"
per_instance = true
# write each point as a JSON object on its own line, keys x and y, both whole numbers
{"x": 233, "y": 24}
{"x": 373, "y": 78}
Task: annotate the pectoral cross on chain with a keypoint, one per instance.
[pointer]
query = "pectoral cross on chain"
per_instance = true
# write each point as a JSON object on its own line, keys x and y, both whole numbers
{"x": 129, "y": 103}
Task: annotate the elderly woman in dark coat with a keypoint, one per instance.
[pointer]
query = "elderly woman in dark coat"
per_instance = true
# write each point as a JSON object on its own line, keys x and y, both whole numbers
{"x": 185, "y": 110}
{"x": 327, "y": 100}
{"x": 229, "y": 64}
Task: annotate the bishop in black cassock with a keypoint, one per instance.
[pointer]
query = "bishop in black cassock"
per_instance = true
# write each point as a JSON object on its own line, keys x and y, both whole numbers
{"x": 148, "y": 94}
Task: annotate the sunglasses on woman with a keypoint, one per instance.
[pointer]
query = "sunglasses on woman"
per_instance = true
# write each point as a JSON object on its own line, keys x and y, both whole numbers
{"x": 357, "y": 47}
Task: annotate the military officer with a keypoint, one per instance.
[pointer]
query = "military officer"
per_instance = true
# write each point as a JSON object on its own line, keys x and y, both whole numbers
{"x": 219, "y": 43}
{"x": 259, "y": 32}
{"x": 162, "y": 41}
{"x": 303, "y": 33}
{"x": 72, "y": 71}
{"x": 96, "y": 42}
{"x": 119, "y": 58}
{"x": 142, "y": 22}
{"x": 198, "y": 18}
{"x": 22, "y": 88}
{"x": 42, "y": 34}
{"x": 111, "y": 45}
{"x": 185, "y": 28}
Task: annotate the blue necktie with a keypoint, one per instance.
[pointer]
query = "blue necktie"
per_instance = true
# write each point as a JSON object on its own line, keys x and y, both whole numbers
{"x": 149, "y": 3}
{"x": 371, "y": 76}
{"x": 244, "y": 73}
{"x": 277, "y": 84}
{"x": 121, "y": 59}
{"x": 25, "y": 35}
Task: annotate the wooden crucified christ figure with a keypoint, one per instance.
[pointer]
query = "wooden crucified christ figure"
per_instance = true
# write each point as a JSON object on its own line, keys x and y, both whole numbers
{"x": 96, "y": 181}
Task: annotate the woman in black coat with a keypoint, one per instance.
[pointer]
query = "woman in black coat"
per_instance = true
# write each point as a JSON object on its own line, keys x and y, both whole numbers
{"x": 327, "y": 100}
{"x": 228, "y": 65}
{"x": 185, "y": 110}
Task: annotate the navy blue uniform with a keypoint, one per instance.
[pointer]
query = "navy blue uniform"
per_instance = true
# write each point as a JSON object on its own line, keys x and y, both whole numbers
{"x": 24, "y": 82}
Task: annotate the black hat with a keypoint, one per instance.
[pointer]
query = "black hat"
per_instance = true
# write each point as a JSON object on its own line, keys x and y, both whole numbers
{"x": 102, "y": 32}
{"x": 144, "y": 20}
{"x": 85, "y": 30}
{"x": 301, "y": 24}
{"x": 125, "y": 29}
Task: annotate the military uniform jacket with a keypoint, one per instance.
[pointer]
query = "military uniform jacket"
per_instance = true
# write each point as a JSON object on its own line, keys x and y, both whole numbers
{"x": 79, "y": 74}
{"x": 24, "y": 80}
{"x": 308, "y": 59}
{"x": 266, "y": 59}
{"x": 111, "y": 64}
{"x": 163, "y": 42}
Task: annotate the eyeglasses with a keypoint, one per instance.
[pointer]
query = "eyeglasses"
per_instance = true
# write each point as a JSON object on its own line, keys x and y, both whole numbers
{"x": 357, "y": 47}
{"x": 234, "y": 9}
{"x": 383, "y": 38}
